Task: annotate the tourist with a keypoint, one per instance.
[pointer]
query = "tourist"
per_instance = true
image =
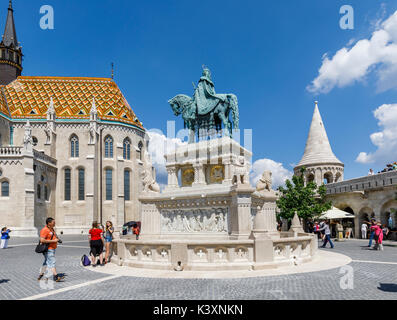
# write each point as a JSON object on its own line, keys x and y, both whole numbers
{"x": 327, "y": 234}
{"x": 322, "y": 232}
{"x": 5, "y": 236}
{"x": 316, "y": 229}
{"x": 48, "y": 235}
{"x": 372, "y": 235}
{"x": 108, "y": 239}
{"x": 385, "y": 231}
{"x": 371, "y": 172}
{"x": 96, "y": 243}
{"x": 390, "y": 222}
{"x": 378, "y": 236}
{"x": 136, "y": 231}
{"x": 364, "y": 230}
{"x": 395, "y": 166}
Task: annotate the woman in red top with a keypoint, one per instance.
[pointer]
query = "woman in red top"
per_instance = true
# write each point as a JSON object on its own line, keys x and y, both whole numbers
{"x": 96, "y": 244}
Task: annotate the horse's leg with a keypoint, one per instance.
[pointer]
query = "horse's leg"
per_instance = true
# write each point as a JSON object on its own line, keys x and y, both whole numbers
{"x": 225, "y": 120}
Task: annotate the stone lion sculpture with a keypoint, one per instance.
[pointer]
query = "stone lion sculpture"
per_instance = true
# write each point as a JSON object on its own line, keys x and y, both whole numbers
{"x": 240, "y": 171}
{"x": 265, "y": 182}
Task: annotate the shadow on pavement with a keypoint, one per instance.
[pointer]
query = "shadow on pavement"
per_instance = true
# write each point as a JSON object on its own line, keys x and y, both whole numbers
{"x": 388, "y": 287}
{"x": 4, "y": 281}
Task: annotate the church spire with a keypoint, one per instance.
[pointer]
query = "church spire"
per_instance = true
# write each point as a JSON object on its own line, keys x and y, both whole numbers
{"x": 10, "y": 34}
{"x": 318, "y": 149}
{"x": 10, "y": 51}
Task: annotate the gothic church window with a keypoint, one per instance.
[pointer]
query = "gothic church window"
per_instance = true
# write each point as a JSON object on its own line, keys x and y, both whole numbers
{"x": 5, "y": 189}
{"x": 108, "y": 147}
{"x": 67, "y": 184}
{"x": 38, "y": 191}
{"x": 81, "y": 184}
{"x": 127, "y": 149}
{"x": 108, "y": 177}
{"x": 127, "y": 193}
{"x": 74, "y": 147}
{"x": 140, "y": 146}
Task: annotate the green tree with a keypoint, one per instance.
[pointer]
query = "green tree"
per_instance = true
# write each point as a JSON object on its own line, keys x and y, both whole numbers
{"x": 308, "y": 201}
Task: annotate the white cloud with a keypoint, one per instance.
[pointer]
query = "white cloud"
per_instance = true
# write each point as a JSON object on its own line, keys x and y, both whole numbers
{"x": 349, "y": 65}
{"x": 386, "y": 139}
{"x": 159, "y": 145}
{"x": 279, "y": 173}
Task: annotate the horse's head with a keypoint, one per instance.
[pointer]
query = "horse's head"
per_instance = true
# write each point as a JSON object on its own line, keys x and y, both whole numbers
{"x": 174, "y": 103}
{"x": 179, "y": 103}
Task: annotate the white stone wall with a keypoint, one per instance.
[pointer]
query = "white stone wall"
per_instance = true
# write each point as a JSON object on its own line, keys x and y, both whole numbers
{"x": 23, "y": 210}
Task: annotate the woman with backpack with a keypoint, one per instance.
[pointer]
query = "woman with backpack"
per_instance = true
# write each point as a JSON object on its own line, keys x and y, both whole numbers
{"x": 96, "y": 243}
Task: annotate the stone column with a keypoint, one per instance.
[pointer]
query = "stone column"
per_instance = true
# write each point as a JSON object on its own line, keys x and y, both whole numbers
{"x": 199, "y": 176}
{"x": 241, "y": 212}
{"x": 172, "y": 177}
{"x": 228, "y": 171}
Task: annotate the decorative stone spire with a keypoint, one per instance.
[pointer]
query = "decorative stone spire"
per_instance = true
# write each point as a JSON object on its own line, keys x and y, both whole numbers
{"x": 94, "y": 110}
{"x": 296, "y": 225}
{"x": 93, "y": 123}
{"x": 27, "y": 138}
{"x": 318, "y": 148}
{"x": 51, "y": 111}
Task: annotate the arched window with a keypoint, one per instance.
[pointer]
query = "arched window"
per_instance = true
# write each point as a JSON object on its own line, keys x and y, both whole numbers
{"x": 67, "y": 184}
{"x": 74, "y": 147}
{"x": 46, "y": 193}
{"x": 127, "y": 149}
{"x": 5, "y": 189}
{"x": 109, "y": 189}
{"x": 140, "y": 146}
{"x": 38, "y": 191}
{"x": 127, "y": 193}
{"x": 108, "y": 147}
{"x": 81, "y": 184}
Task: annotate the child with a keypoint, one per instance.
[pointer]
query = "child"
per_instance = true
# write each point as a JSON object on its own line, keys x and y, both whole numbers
{"x": 135, "y": 230}
{"x": 4, "y": 237}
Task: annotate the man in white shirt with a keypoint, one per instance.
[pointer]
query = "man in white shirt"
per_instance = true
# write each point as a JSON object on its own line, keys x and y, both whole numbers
{"x": 364, "y": 229}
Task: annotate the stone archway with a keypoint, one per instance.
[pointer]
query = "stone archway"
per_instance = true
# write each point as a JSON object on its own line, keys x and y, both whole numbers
{"x": 328, "y": 177}
{"x": 338, "y": 177}
{"x": 389, "y": 208}
{"x": 365, "y": 214}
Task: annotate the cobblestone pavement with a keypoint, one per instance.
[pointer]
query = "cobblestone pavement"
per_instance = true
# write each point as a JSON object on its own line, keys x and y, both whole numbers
{"x": 375, "y": 277}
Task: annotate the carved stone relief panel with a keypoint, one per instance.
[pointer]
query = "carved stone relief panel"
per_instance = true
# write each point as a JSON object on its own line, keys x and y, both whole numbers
{"x": 206, "y": 220}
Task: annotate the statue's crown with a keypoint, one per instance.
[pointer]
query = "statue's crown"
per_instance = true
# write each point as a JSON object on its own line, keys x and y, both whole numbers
{"x": 206, "y": 72}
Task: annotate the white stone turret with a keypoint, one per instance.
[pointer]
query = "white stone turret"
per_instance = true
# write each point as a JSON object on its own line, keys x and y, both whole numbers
{"x": 322, "y": 166}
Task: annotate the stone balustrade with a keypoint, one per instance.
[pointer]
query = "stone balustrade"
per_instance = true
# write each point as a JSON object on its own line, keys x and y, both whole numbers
{"x": 43, "y": 157}
{"x": 10, "y": 151}
{"x": 375, "y": 181}
{"x": 211, "y": 254}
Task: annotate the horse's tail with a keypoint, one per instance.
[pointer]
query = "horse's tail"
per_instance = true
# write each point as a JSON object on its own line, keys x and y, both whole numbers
{"x": 235, "y": 114}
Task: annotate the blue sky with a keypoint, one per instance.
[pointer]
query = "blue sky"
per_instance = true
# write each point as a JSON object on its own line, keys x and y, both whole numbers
{"x": 266, "y": 52}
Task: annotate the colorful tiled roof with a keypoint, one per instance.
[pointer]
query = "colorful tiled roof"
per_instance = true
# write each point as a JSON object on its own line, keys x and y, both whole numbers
{"x": 29, "y": 97}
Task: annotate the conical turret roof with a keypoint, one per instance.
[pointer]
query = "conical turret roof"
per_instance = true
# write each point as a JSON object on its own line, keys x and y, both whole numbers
{"x": 10, "y": 34}
{"x": 318, "y": 149}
